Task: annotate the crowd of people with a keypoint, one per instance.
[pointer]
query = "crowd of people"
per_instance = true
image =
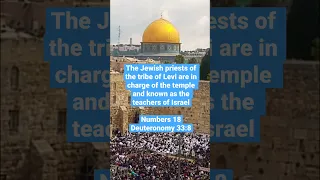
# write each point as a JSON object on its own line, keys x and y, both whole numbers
{"x": 155, "y": 156}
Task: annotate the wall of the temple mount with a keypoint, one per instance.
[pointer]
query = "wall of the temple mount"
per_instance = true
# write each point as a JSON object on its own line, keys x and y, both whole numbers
{"x": 38, "y": 106}
{"x": 289, "y": 147}
{"x": 191, "y": 114}
{"x": 198, "y": 114}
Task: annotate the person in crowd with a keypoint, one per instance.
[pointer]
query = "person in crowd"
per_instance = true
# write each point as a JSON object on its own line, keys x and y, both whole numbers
{"x": 155, "y": 156}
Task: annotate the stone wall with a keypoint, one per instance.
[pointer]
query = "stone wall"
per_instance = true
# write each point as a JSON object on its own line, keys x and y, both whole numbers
{"x": 117, "y": 64}
{"x": 119, "y": 96}
{"x": 198, "y": 114}
{"x": 38, "y": 106}
{"x": 289, "y": 147}
{"x": 298, "y": 99}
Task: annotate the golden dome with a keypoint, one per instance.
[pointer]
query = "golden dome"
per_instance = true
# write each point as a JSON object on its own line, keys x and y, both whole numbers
{"x": 161, "y": 31}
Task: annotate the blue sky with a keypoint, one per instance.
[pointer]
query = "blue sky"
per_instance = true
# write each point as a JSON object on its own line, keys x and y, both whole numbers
{"x": 190, "y": 17}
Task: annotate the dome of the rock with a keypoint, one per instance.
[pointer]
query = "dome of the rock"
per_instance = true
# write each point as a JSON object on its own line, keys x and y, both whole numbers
{"x": 160, "y": 40}
{"x": 161, "y": 31}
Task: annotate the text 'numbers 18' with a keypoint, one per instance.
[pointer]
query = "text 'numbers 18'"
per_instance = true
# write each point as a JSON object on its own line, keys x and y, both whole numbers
{"x": 177, "y": 119}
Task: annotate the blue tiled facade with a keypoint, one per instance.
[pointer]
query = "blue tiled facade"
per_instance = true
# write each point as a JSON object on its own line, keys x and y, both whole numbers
{"x": 155, "y": 48}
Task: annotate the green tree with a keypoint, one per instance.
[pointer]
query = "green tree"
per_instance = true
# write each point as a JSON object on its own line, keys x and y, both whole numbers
{"x": 302, "y": 25}
{"x": 166, "y": 62}
{"x": 179, "y": 59}
{"x": 193, "y": 61}
{"x": 116, "y": 53}
{"x": 205, "y": 67}
{"x": 302, "y": 28}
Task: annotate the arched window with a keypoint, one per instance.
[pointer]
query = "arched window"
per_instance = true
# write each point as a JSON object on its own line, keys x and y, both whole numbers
{"x": 62, "y": 121}
{"x": 15, "y": 75}
{"x": 114, "y": 99}
{"x": 3, "y": 177}
{"x": 136, "y": 117}
{"x": 221, "y": 162}
{"x": 87, "y": 168}
{"x": 129, "y": 99}
{"x": 14, "y": 121}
